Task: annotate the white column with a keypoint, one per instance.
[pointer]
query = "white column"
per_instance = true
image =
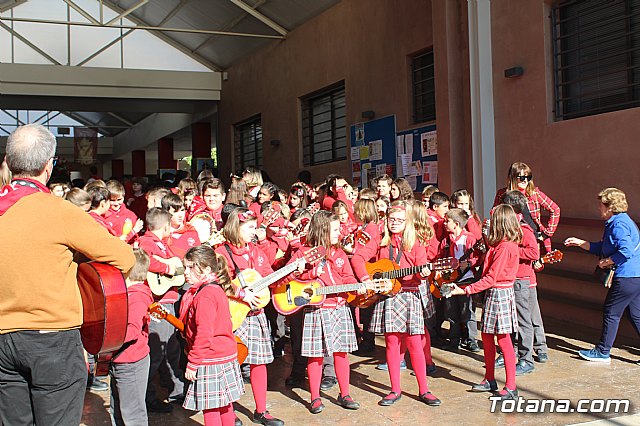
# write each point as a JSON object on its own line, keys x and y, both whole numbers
{"x": 482, "y": 120}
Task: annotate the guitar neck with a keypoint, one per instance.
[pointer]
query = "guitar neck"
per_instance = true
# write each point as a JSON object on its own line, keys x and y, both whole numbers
{"x": 174, "y": 321}
{"x": 265, "y": 282}
{"x": 403, "y": 272}
{"x": 342, "y": 288}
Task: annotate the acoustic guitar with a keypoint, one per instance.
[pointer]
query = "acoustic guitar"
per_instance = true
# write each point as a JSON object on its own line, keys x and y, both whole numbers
{"x": 159, "y": 312}
{"x": 385, "y": 269}
{"x": 291, "y": 297}
{"x": 161, "y": 283}
{"x": 105, "y": 311}
{"x": 551, "y": 257}
{"x": 250, "y": 279}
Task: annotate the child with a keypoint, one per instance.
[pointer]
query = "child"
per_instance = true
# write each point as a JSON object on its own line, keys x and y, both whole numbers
{"x": 298, "y": 197}
{"x": 80, "y": 198}
{"x": 400, "y": 317}
{"x": 327, "y": 329}
{"x": 383, "y": 186}
{"x": 100, "y": 206}
{"x": 438, "y": 206}
{"x": 401, "y": 190}
{"x": 129, "y": 369}
{"x": 210, "y": 200}
{"x": 212, "y": 366}
{"x": 347, "y": 226}
{"x": 241, "y": 253}
{"x": 119, "y": 217}
{"x": 462, "y": 199}
{"x": 138, "y": 203}
{"x": 268, "y": 192}
{"x": 499, "y": 318}
{"x": 337, "y": 189}
{"x": 183, "y": 236}
{"x": 426, "y": 193}
{"x": 460, "y": 244}
{"x": 163, "y": 344}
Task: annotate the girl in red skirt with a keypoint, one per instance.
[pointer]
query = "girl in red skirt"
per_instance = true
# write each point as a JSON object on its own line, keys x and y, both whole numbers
{"x": 212, "y": 364}
{"x": 499, "y": 317}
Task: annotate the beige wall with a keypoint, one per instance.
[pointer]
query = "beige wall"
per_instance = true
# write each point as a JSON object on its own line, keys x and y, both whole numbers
{"x": 366, "y": 43}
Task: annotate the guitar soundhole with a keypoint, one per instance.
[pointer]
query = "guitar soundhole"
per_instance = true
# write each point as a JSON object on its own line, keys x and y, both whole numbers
{"x": 377, "y": 276}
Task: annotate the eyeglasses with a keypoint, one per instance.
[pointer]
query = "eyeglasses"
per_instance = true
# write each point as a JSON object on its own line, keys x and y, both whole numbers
{"x": 55, "y": 161}
{"x": 396, "y": 220}
{"x": 525, "y": 178}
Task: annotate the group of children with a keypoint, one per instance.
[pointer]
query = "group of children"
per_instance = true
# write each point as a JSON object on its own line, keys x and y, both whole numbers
{"x": 264, "y": 228}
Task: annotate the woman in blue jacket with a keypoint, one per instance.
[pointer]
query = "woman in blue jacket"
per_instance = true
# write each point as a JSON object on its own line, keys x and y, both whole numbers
{"x": 619, "y": 247}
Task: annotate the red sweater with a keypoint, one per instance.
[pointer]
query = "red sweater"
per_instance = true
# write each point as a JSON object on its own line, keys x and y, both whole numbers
{"x": 365, "y": 253}
{"x": 459, "y": 246}
{"x": 417, "y": 256}
{"x": 101, "y": 220}
{"x": 474, "y": 227}
{"x": 529, "y": 250}
{"x": 335, "y": 270}
{"x": 207, "y": 329}
{"x": 150, "y": 243}
{"x": 328, "y": 200}
{"x": 118, "y": 219}
{"x": 137, "y": 337}
{"x": 181, "y": 240}
{"x": 438, "y": 225}
{"x": 500, "y": 267}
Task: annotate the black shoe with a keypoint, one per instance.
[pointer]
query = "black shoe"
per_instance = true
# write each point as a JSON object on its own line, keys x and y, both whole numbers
{"x": 508, "y": 394}
{"x": 390, "y": 399}
{"x": 499, "y": 362}
{"x": 328, "y": 383}
{"x": 348, "y": 402}
{"x": 96, "y": 385}
{"x": 365, "y": 349}
{"x": 316, "y": 406}
{"x": 432, "y": 402}
{"x": 542, "y": 357}
{"x": 266, "y": 419}
{"x": 238, "y": 422}
{"x": 158, "y": 406}
{"x": 485, "y": 386}
{"x": 178, "y": 400}
{"x": 294, "y": 381}
{"x": 472, "y": 346}
{"x": 452, "y": 347}
{"x": 523, "y": 367}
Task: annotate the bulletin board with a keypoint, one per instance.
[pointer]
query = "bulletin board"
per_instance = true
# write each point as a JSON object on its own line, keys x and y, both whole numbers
{"x": 417, "y": 156}
{"x": 372, "y": 150}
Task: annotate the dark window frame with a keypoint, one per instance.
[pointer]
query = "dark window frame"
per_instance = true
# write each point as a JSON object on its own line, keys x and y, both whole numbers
{"x": 252, "y": 128}
{"x": 423, "y": 86}
{"x": 596, "y": 57}
{"x": 335, "y": 96}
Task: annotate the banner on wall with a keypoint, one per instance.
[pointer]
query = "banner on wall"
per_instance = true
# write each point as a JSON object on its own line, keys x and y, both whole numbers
{"x": 85, "y": 145}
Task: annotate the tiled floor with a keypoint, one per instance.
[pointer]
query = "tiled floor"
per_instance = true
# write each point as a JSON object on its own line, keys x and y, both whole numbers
{"x": 565, "y": 376}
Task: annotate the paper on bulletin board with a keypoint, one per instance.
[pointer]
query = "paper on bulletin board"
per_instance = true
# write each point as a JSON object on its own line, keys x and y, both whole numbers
{"x": 381, "y": 169}
{"x": 359, "y": 133}
{"x": 405, "y": 161}
{"x": 364, "y": 180}
{"x": 364, "y": 152}
{"x": 412, "y": 181}
{"x": 429, "y": 143}
{"x": 429, "y": 172}
{"x": 399, "y": 145}
{"x": 375, "y": 150}
{"x": 371, "y": 174}
{"x": 408, "y": 143}
{"x": 355, "y": 153}
{"x": 355, "y": 168}
{"x": 415, "y": 168}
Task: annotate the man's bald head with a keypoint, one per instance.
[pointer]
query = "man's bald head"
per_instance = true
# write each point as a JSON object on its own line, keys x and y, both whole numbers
{"x": 29, "y": 148}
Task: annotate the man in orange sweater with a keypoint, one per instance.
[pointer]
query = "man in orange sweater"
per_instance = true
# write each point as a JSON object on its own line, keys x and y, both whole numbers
{"x": 42, "y": 367}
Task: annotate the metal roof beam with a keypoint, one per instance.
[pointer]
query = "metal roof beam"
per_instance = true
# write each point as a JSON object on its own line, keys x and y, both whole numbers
{"x": 103, "y": 48}
{"x": 174, "y": 12}
{"x": 28, "y": 43}
{"x": 11, "y": 5}
{"x": 81, "y": 11}
{"x": 128, "y": 11}
{"x": 259, "y": 16}
{"x": 121, "y": 119}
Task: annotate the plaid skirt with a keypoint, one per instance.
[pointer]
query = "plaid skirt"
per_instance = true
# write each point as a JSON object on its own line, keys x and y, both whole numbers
{"x": 216, "y": 385}
{"x": 327, "y": 330}
{"x": 499, "y": 314}
{"x": 255, "y": 333}
{"x": 402, "y": 313}
{"x": 427, "y": 299}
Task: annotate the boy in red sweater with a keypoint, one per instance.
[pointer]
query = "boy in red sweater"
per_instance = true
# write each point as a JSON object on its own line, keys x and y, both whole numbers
{"x": 438, "y": 207}
{"x": 100, "y": 206}
{"x": 183, "y": 236}
{"x": 129, "y": 369}
{"x": 123, "y": 221}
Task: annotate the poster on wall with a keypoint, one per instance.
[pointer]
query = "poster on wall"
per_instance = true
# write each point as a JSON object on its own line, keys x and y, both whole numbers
{"x": 375, "y": 150}
{"x": 429, "y": 143}
{"x": 85, "y": 145}
{"x": 430, "y": 172}
{"x": 359, "y": 133}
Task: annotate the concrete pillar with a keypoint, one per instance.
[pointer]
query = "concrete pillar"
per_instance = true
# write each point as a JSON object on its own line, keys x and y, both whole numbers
{"x": 201, "y": 140}
{"x": 165, "y": 154}
{"x": 138, "y": 163}
{"x": 117, "y": 168}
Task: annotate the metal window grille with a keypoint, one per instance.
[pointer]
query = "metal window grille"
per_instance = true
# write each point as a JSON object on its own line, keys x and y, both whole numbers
{"x": 324, "y": 132}
{"x": 423, "y": 86}
{"x": 248, "y": 143}
{"x": 596, "y": 56}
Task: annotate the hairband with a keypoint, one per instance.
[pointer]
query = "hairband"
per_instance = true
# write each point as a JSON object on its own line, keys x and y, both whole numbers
{"x": 246, "y": 215}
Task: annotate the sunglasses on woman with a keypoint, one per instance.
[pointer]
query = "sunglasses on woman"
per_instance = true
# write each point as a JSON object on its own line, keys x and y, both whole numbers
{"x": 525, "y": 178}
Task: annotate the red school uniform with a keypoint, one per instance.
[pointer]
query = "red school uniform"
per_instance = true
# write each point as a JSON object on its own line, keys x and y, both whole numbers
{"x": 207, "y": 329}
{"x": 248, "y": 257}
{"x": 363, "y": 253}
{"x": 458, "y": 247}
{"x": 529, "y": 250}
{"x": 474, "y": 227}
{"x": 417, "y": 256}
{"x": 438, "y": 225}
{"x": 150, "y": 243}
{"x": 328, "y": 200}
{"x": 500, "y": 268}
{"x": 137, "y": 337}
{"x": 101, "y": 220}
{"x": 181, "y": 240}
{"x": 118, "y": 219}
{"x": 333, "y": 270}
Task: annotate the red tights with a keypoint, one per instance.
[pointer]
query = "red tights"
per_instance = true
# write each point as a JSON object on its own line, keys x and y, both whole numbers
{"x": 221, "y": 416}
{"x": 416, "y": 350}
{"x": 426, "y": 339}
{"x": 259, "y": 386}
{"x": 504, "y": 341}
{"x": 342, "y": 367}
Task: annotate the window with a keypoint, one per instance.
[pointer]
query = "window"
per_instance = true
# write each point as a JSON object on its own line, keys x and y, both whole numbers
{"x": 248, "y": 143}
{"x": 423, "y": 87}
{"x": 596, "y": 56}
{"x": 324, "y": 132}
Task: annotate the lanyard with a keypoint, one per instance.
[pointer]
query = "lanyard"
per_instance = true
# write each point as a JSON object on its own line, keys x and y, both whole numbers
{"x": 397, "y": 260}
